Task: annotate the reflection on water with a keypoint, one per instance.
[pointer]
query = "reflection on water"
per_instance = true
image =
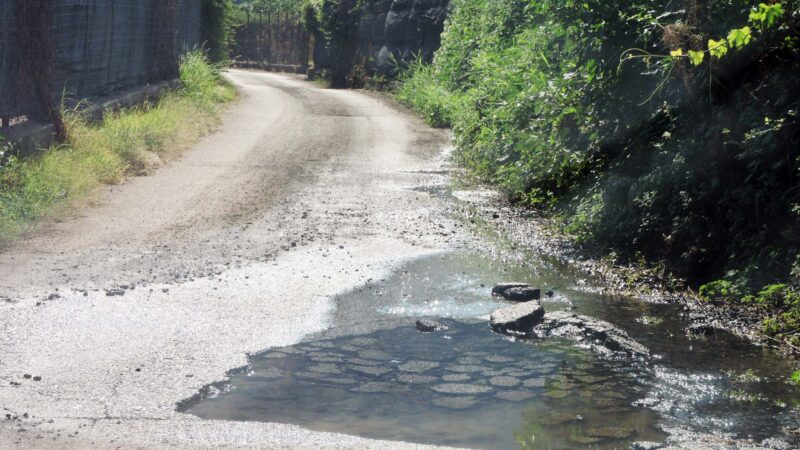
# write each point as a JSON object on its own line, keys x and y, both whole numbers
{"x": 466, "y": 387}
{"x": 372, "y": 374}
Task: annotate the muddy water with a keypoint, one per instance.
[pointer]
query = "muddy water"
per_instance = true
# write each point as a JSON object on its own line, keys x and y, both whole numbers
{"x": 372, "y": 374}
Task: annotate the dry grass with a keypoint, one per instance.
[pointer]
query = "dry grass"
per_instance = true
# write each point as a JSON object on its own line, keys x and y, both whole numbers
{"x": 130, "y": 142}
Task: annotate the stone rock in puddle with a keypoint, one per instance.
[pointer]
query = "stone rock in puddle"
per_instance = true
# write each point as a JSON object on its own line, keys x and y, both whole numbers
{"x": 430, "y": 326}
{"x": 522, "y": 294}
{"x": 461, "y": 388}
{"x": 518, "y": 319}
{"x": 504, "y": 381}
{"x": 464, "y": 369}
{"x": 515, "y": 396}
{"x": 598, "y": 335}
{"x": 375, "y": 371}
{"x": 535, "y": 382}
{"x": 410, "y": 378}
{"x": 501, "y": 288}
{"x": 455, "y": 402}
{"x": 700, "y": 329}
{"x": 456, "y": 377}
{"x": 417, "y": 366}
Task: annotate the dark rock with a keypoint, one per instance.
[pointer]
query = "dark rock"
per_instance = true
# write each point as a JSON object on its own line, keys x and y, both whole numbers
{"x": 501, "y": 288}
{"x": 518, "y": 319}
{"x": 522, "y": 294}
{"x": 699, "y": 325}
{"x": 596, "y": 334}
{"x": 115, "y": 292}
{"x": 549, "y": 293}
{"x": 430, "y": 326}
{"x": 37, "y": 378}
{"x": 27, "y": 376}
{"x": 700, "y": 329}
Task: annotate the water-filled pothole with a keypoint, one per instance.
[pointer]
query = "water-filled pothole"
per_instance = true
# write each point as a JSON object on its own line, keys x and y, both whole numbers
{"x": 373, "y": 374}
{"x": 465, "y": 387}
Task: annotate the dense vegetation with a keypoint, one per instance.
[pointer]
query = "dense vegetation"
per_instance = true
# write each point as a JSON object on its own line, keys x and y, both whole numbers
{"x": 127, "y": 142}
{"x": 659, "y": 131}
{"x": 217, "y": 29}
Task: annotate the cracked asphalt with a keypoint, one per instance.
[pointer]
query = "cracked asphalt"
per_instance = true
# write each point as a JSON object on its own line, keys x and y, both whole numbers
{"x": 114, "y": 314}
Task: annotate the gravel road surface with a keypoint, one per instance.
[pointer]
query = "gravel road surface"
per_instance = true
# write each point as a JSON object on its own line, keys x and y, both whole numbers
{"x": 112, "y": 315}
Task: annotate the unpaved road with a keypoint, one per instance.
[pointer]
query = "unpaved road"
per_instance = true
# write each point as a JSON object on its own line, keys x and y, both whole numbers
{"x": 236, "y": 247}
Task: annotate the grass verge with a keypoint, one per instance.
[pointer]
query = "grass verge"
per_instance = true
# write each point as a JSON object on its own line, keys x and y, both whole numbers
{"x": 128, "y": 142}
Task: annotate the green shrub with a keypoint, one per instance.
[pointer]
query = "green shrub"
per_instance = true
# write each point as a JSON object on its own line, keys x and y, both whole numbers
{"x": 687, "y": 158}
{"x": 720, "y": 290}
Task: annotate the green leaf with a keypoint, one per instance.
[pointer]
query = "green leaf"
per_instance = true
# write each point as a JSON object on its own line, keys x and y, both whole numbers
{"x": 696, "y": 57}
{"x": 718, "y": 49}
{"x": 766, "y": 15}
{"x": 740, "y": 37}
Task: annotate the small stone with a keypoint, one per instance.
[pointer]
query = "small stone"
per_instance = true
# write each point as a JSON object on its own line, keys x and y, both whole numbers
{"x": 430, "y": 326}
{"x": 700, "y": 329}
{"x": 500, "y": 288}
{"x": 374, "y": 387}
{"x": 522, "y": 294}
{"x": 115, "y": 292}
{"x": 504, "y": 381}
{"x": 465, "y": 368}
{"x": 517, "y": 319}
{"x": 456, "y": 377}
{"x": 27, "y": 376}
{"x": 37, "y": 378}
{"x": 461, "y": 388}
{"x": 375, "y": 371}
{"x": 416, "y": 379}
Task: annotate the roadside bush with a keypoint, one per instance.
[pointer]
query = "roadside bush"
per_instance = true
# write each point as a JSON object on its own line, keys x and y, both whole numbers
{"x": 666, "y": 132}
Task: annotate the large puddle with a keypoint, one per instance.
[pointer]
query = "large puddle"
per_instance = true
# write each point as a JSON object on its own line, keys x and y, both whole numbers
{"x": 374, "y": 375}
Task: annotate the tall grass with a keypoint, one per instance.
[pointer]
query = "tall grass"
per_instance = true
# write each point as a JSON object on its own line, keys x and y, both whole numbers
{"x": 128, "y": 142}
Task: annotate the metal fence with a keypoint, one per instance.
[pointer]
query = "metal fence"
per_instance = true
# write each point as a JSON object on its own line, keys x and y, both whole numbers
{"x": 272, "y": 42}
{"x": 82, "y": 49}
